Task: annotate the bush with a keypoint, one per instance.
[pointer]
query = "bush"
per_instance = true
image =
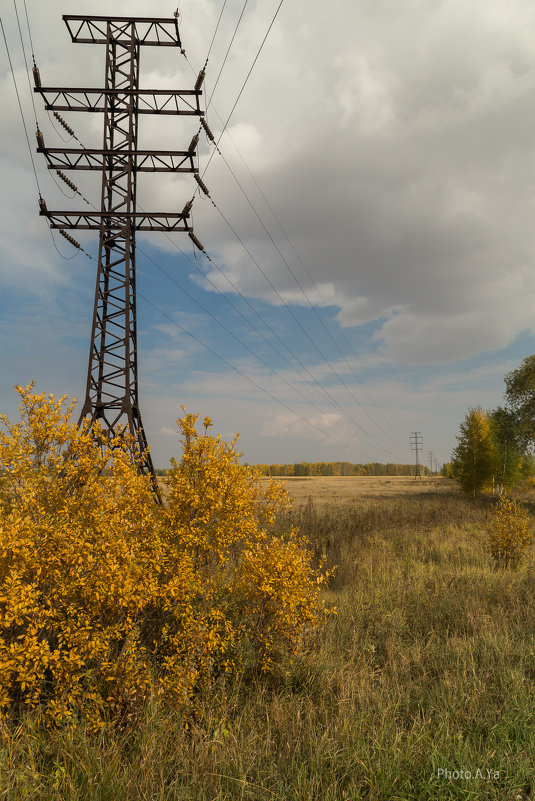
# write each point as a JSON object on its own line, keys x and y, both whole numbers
{"x": 509, "y": 532}
{"x": 107, "y": 599}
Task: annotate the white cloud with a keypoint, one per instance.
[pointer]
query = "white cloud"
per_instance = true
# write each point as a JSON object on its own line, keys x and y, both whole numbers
{"x": 169, "y": 432}
{"x": 394, "y": 144}
{"x": 291, "y": 425}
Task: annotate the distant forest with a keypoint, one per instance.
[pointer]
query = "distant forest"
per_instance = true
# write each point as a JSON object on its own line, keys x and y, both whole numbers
{"x": 341, "y": 469}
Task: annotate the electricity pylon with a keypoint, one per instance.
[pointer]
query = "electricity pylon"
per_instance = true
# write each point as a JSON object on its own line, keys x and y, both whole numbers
{"x": 112, "y": 376}
{"x": 416, "y": 446}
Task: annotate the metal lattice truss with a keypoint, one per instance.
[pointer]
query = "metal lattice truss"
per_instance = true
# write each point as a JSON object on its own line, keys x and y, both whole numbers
{"x": 58, "y": 158}
{"x": 112, "y": 376}
{"x": 160, "y": 32}
{"x": 148, "y": 101}
{"x": 138, "y": 221}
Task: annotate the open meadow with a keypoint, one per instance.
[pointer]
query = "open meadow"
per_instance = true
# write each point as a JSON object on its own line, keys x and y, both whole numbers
{"x": 420, "y": 686}
{"x": 324, "y": 490}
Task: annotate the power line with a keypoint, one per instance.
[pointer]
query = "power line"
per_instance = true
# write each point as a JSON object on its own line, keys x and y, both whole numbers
{"x": 305, "y": 268}
{"x": 216, "y": 29}
{"x": 20, "y": 107}
{"x": 25, "y": 61}
{"x": 66, "y": 258}
{"x": 324, "y": 391}
{"x": 245, "y": 82}
{"x": 226, "y": 54}
{"x": 237, "y": 369}
{"x": 326, "y": 394}
{"x": 319, "y": 351}
{"x": 216, "y": 148}
{"x": 256, "y": 356}
{"x": 247, "y": 378}
{"x": 305, "y": 295}
{"x": 29, "y": 29}
{"x": 327, "y": 362}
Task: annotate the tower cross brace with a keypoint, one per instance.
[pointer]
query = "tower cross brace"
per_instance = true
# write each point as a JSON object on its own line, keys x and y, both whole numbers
{"x": 112, "y": 392}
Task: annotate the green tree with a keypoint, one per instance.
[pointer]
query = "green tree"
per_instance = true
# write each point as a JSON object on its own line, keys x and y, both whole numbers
{"x": 520, "y": 394}
{"x": 301, "y": 469}
{"x": 474, "y": 458}
{"x": 509, "y": 453}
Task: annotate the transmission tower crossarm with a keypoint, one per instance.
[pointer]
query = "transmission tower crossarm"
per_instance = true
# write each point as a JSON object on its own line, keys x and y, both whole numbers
{"x": 149, "y": 101}
{"x": 151, "y": 31}
{"x": 72, "y": 158}
{"x": 93, "y": 220}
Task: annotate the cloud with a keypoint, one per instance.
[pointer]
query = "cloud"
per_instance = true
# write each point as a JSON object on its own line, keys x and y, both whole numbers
{"x": 391, "y": 148}
{"x": 291, "y": 425}
{"x": 169, "y": 432}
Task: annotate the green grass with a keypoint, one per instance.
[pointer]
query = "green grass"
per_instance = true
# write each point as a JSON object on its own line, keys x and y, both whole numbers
{"x": 428, "y": 666}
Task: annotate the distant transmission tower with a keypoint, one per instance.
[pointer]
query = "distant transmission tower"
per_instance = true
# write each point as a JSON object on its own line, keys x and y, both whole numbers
{"x": 416, "y": 446}
{"x": 112, "y": 377}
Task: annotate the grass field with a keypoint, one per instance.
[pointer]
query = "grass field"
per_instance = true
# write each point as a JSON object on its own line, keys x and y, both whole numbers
{"x": 352, "y": 489}
{"x": 422, "y": 686}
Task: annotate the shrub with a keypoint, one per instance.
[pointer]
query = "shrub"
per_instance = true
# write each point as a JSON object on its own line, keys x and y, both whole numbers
{"x": 106, "y": 598}
{"x": 509, "y": 532}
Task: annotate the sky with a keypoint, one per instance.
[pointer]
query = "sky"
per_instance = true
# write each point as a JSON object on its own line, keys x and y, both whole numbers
{"x": 370, "y": 223}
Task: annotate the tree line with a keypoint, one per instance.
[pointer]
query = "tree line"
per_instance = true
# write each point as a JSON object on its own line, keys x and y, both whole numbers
{"x": 495, "y": 448}
{"x": 340, "y": 469}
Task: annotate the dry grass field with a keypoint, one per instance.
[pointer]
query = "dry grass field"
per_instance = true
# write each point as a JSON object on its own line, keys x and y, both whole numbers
{"x": 421, "y": 686}
{"x": 325, "y": 490}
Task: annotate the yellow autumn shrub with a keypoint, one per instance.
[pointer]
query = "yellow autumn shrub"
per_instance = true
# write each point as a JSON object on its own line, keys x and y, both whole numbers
{"x": 107, "y": 598}
{"x": 509, "y": 532}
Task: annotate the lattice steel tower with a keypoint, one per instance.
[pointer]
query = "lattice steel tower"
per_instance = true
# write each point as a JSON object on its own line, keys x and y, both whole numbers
{"x": 112, "y": 377}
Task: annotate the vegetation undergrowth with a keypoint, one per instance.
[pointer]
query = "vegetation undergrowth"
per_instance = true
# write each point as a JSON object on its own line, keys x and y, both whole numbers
{"x": 425, "y": 675}
{"x": 108, "y": 600}
{"x": 509, "y": 532}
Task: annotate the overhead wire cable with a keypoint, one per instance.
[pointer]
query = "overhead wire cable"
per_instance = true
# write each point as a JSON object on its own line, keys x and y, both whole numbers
{"x": 25, "y": 128}
{"x": 314, "y": 284}
{"x": 292, "y": 314}
{"x": 212, "y": 201}
{"x": 245, "y": 83}
{"x": 323, "y": 391}
{"x": 305, "y": 268}
{"x": 291, "y": 272}
{"x": 303, "y": 419}
{"x": 325, "y": 394}
{"x": 248, "y": 378}
{"x": 247, "y": 347}
{"x": 227, "y": 53}
{"x": 249, "y": 253}
{"x": 312, "y": 307}
{"x": 20, "y": 107}
{"x": 29, "y": 29}
{"x": 216, "y": 29}
{"x": 314, "y": 310}
{"x": 35, "y": 67}
{"x": 67, "y": 258}
{"x": 25, "y": 61}
{"x": 257, "y": 313}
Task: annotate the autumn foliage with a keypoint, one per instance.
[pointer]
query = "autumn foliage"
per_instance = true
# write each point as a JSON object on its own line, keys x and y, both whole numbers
{"x": 107, "y": 599}
{"x": 509, "y": 532}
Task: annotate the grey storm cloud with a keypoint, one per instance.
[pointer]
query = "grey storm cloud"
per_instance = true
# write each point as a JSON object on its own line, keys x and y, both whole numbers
{"x": 395, "y": 145}
{"x": 392, "y": 140}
